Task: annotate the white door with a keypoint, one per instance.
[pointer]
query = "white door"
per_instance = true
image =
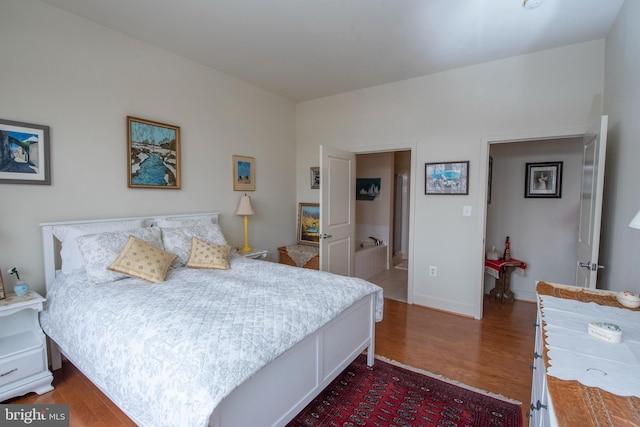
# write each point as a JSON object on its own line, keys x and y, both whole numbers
{"x": 595, "y": 146}
{"x": 337, "y": 210}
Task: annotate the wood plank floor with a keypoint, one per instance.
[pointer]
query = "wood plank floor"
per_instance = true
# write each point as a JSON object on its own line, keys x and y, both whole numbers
{"x": 493, "y": 354}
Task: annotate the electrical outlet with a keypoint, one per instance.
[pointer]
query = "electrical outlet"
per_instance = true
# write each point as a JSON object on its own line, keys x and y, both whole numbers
{"x": 433, "y": 270}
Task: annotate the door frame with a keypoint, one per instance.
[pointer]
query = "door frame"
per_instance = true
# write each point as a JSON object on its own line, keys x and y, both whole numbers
{"x": 412, "y": 147}
{"x": 486, "y": 142}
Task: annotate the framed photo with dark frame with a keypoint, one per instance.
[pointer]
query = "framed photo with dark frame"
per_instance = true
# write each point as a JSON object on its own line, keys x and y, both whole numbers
{"x": 244, "y": 173}
{"x": 543, "y": 180}
{"x": 154, "y": 154}
{"x": 446, "y": 178}
{"x": 309, "y": 224}
{"x": 24, "y": 153}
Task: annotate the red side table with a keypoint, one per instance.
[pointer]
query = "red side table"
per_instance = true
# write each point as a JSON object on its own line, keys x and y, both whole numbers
{"x": 501, "y": 270}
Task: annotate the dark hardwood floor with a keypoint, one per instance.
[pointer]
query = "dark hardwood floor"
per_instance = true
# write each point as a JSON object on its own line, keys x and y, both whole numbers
{"x": 493, "y": 354}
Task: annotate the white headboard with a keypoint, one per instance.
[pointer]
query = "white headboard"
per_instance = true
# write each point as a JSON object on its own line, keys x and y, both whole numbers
{"x": 51, "y": 245}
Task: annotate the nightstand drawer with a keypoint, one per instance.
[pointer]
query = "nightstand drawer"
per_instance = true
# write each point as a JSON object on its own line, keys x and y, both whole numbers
{"x": 21, "y": 366}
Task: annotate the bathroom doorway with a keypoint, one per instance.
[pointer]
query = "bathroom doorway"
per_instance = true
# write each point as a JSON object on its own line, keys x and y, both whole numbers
{"x": 386, "y": 217}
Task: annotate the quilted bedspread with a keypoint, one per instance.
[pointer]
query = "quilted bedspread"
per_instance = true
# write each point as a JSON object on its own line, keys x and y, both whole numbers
{"x": 168, "y": 353}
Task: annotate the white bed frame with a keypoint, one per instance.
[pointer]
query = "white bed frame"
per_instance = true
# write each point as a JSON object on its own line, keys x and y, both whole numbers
{"x": 280, "y": 390}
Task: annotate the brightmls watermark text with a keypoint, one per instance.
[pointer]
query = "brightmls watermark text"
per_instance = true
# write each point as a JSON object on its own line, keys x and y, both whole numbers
{"x": 34, "y": 415}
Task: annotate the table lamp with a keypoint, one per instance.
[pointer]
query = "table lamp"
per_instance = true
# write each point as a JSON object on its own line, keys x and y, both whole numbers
{"x": 245, "y": 209}
{"x": 635, "y": 222}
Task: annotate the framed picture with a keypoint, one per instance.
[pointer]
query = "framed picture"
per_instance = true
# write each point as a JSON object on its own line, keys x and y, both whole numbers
{"x": 489, "y": 180}
{"x": 3, "y": 294}
{"x": 309, "y": 224}
{"x": 446, "y": 178}
{"x": 244, "y": 173}
{"x": 154, "y": 154}
{"x": 24, "y": 153}
{"x": 315, "y": 178}
{"x": 543, "y": 180}
{"x": 367, "y": 188}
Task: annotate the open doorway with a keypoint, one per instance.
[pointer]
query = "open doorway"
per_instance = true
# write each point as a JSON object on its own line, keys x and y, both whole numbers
{"x": 542, "y": 230}
{"x": 382, "y": 220}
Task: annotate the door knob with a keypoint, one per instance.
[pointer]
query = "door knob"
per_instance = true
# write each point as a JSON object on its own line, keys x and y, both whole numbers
{"x": 326, "y": 236}
{"x": 592, "y": 266}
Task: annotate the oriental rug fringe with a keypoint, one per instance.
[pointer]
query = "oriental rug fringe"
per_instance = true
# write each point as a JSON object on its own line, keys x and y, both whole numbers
{"x": 389, "y": 394}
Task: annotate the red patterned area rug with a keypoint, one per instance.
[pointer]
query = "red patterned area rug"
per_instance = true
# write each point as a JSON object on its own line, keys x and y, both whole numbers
{"x": 387, "y": 395}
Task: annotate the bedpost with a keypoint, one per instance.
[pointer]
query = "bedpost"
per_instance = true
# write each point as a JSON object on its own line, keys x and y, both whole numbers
{"x": 371, "y": 349}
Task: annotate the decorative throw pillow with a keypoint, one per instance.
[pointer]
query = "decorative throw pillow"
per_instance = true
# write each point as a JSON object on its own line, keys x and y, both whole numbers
{"x": 208, "y": 255}
{"x": 178, "y": 240}
{"x": 143, "y": 261}
{"x": 100, "y": 250}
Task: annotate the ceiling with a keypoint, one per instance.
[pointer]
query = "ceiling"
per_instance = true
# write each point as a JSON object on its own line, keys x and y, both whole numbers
{"x": 306, "y": 49}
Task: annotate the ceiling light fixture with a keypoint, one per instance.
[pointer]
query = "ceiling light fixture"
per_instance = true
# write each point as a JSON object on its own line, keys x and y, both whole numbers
{"x": 531, "y": 4}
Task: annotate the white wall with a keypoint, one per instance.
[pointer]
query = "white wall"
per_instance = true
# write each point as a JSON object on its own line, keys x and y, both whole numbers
{"x": 446, "y": 116}
{"x": 82, "y": 80}
{"x": 620, "y": 245}
{"x": 542, "y": 232}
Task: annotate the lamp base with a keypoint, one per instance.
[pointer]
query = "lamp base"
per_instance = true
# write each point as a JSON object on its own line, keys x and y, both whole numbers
{"x": 246, "y": 249}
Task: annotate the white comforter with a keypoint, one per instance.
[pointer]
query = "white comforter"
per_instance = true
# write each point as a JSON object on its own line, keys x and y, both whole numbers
{"x": 168, "y": 353}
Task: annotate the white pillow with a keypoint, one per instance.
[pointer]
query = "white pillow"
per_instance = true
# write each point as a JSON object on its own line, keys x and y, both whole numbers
{"x": 67, "y": 234}
{"x": 177, "y": 222}
{"x": 100, "y": 250}
{"x": 178, "y": 240}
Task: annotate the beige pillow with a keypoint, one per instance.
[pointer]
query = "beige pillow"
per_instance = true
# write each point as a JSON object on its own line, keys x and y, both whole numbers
{"x": 141, "y": 260}
{"x": 208, "y": 255}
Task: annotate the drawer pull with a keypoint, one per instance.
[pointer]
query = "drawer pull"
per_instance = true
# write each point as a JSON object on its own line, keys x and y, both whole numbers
{"x": 8, "y": 372}
{"x": 538, "y": 406}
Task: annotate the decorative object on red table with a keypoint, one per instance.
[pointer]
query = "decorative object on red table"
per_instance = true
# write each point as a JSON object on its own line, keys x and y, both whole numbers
{"x": 507, "y": 249}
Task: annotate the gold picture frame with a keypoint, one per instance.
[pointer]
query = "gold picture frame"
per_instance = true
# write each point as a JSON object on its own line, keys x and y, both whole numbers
{"x": 244, "y": 173}
{"x": 154, "y": 154}
{"x": 309, "y": 224}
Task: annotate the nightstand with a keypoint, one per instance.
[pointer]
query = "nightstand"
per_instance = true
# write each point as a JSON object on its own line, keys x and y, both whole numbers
{"x": 23, "y": 349}
{"x": 255, "y": 254}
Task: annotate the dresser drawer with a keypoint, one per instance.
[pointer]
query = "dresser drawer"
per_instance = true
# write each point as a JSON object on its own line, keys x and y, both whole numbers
{"x": 21, "y": 366}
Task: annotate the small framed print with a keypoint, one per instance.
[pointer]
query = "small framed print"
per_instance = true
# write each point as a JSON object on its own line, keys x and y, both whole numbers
{"x": 315, "y": 178}
{"x": 446, "y": 178}
{"x": 24, "y": 153}
{"x": 244, "y": 173}
{"x": 3, "y": 294}
{"x": 543, "y": 180}
{"x": 154, "y": 154}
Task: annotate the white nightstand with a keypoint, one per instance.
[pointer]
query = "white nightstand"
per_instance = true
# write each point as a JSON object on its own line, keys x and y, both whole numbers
{"x": 255, "y": 254}
{"x": 23, "y": 349}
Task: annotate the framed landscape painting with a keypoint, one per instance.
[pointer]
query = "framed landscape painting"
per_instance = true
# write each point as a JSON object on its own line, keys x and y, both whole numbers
{"x": 24, "y": 153}
{"x": 309, "y": 224}
{"x": 154, "y": 154}
{"x": 446, "y": 178}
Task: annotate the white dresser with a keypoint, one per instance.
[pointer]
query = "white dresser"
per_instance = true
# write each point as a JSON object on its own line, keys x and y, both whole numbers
{"x": 23, "y": 350}
{"x": 556, "y": 402}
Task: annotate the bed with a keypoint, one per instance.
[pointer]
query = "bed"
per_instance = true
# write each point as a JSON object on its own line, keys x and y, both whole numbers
{"x": 201, "y": 346}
